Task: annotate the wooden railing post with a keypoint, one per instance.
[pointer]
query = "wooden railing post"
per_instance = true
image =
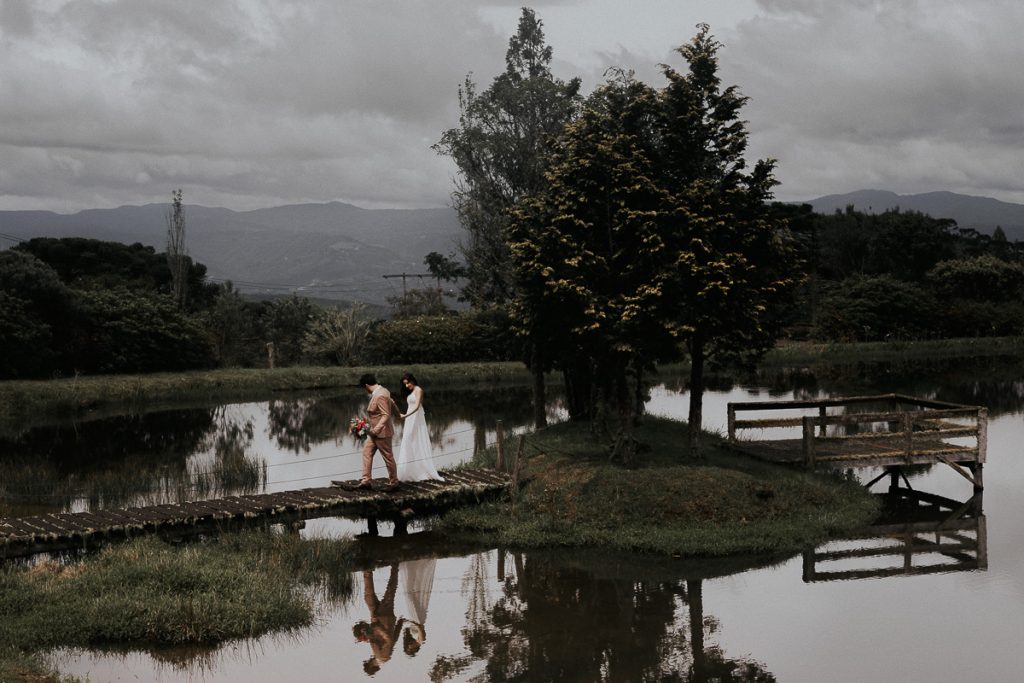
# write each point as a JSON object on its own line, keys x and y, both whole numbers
{"x": 731, "y": 418}
{"x": 908, "y": 434}
{"x": 982, "y": 433}
{"x": 500, "y": 462}
{"x": 822, "y": 412}
{"x": 808, "y": 442}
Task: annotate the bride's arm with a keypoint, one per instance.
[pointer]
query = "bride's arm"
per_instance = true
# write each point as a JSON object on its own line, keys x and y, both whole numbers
{"x": 419, "y": 401}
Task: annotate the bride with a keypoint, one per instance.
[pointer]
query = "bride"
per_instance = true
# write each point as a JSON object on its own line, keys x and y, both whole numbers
{"x": 415, "y": 460}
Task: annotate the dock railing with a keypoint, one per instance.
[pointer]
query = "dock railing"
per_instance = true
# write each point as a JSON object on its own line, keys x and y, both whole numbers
{"x": 914, "y": 422}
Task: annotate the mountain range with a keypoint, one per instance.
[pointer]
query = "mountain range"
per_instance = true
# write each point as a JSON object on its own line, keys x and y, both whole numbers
{"x": 341, "y": 251}
{"x": 330, "y": 251}
{"x": 981, "y": 213}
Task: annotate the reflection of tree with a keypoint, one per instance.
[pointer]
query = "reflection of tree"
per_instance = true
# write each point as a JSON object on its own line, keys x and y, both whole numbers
{"x": 107, "y": 462}
{"x": 555, "y": 622}
{"x": 133, "y": 459}
{"x": 299, "y": 424}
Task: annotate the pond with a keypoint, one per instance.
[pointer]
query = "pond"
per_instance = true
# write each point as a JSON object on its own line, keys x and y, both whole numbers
{"x": 843, "y": 612}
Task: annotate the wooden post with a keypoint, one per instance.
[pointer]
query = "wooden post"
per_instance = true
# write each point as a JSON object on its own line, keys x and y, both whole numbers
{"x": 731, "y": 417}
{"x": 908, "y": 434}
{"x": 982, "y": 433}
{"x": 808, "y": 441}
{"x": 517, "y": 466}
{"x": 501, "y": 564}
{"x": 822, "y": 412}
{"x": 500, "y": 462}
{"x": 982, "y": 551}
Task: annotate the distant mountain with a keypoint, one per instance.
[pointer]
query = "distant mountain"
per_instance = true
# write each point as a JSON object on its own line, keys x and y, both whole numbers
{"x": 981, "y": 213}
{"x": 335, "y": 250}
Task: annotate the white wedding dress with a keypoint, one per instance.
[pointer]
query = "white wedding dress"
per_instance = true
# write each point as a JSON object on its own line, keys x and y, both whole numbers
{"x": 415, "y": 457}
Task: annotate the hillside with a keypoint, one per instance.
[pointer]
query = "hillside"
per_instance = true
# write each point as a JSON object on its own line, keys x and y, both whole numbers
{"x": 335, "y": 250}
{"x": 981, "y": 213}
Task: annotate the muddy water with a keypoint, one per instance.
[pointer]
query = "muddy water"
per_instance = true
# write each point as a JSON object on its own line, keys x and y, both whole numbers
{"x": 485, "y": 614}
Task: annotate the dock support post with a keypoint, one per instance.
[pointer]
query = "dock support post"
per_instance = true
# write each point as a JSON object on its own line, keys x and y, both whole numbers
{"x": 731, "y": 419}
{"x": 808, "y": 441}
{"x": 908, "y": 435}
{"x": 500, "y": 436}
{"x": 822, "y": 413}
{"x": 371, "y": 526}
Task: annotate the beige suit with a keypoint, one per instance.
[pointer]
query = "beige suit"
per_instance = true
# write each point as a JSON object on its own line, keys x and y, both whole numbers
{"x": 381, "y": 434}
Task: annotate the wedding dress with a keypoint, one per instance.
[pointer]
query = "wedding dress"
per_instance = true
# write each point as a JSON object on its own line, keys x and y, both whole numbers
{"x": 415, "y": 458}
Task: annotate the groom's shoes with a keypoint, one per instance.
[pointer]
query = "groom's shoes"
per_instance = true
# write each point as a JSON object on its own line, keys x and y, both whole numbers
{"x": 361, "y": 486}
{"x": 392, "y": 487}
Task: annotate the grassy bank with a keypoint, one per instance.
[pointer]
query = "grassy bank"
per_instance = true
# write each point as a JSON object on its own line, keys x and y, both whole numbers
{"x": 715, "y": 506}
{"x": 811, "y": 353}
{"x": 20, "y": 399}
{"x": 146, "y": 593}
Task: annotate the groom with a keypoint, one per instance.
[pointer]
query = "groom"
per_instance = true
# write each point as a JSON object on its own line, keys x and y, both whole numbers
{"x": 381, "y": 433}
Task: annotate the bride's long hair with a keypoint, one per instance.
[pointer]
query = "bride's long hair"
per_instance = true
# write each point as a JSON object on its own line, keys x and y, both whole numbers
{"x": 411, "y": 378}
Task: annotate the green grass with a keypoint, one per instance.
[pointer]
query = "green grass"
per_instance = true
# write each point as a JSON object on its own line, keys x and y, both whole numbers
{"x": 810, "y": 352}
{"x": 145, "y": 593}
{"x": 718, "y": 505}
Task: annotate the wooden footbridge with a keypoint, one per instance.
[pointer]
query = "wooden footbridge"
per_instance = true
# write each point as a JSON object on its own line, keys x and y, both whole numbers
{"x": 892, "y": 431}
{"x": 20, "y": 536}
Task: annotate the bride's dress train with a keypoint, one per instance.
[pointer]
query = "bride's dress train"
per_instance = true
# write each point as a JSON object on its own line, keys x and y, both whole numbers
{"x": 415, "y": 456}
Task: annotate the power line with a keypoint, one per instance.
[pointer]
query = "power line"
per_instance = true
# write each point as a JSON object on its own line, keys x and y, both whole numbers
{"x": 12, "y": 238}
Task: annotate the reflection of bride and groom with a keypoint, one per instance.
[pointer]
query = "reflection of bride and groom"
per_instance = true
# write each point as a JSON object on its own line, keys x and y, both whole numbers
{"x": 415, "y": 460}
{"x": 384, "y": 627}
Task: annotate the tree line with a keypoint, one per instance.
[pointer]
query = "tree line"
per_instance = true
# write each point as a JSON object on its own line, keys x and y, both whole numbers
{"x": 77, "y": 305}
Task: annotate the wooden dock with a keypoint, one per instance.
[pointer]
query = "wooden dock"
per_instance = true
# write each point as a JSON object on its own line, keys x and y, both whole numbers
{"x": 20, "y": 536}
{"x": 904, "y": 431}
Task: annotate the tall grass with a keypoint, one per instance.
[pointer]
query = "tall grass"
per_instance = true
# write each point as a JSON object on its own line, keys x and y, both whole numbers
{"x": 145, "y": 593}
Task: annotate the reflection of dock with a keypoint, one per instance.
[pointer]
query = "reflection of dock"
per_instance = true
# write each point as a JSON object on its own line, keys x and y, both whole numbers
{"x": 908, "y": 431}
{"x": 61, "y": 531}
{"x": 921, "y": 533}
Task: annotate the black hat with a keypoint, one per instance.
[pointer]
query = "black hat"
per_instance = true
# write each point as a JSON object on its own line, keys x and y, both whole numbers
{"x": 367, "y": 378}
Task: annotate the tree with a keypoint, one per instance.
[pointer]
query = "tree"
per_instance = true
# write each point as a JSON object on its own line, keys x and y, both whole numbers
{"x": 444, "y": 267}
{"x": 177, "y": 253}
{"x": 649, "y": 234}
{"x": 500, "y": 149}
{"x": 734, "y": 260}
{"x": 587, "y": 251}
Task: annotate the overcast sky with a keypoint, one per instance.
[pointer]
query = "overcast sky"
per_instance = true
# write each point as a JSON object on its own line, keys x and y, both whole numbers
{"x": 257, "y": 103}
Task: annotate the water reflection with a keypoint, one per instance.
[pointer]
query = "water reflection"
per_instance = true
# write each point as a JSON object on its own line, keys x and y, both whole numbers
{"x": 917, "y": 533}
{"x": 173, "y": 456}
{"x": 139, "y": 460}
{"x": 556, "y": 620}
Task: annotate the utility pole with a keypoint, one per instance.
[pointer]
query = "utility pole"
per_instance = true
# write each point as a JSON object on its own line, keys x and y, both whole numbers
{"x": 407, "y": 275}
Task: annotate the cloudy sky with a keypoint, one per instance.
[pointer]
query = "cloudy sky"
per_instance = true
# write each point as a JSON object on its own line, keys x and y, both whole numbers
{"x": 253, "y": 103}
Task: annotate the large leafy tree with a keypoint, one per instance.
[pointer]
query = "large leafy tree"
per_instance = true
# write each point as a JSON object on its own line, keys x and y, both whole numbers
{"x": 589, "y": 251}
{"x": 650, "y": 233}
{"x": 501, "y": 148}
{"x": 732, "y": 258}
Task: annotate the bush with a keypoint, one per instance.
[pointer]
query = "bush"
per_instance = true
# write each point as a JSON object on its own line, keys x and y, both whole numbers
{"x": 450, "y": 338}
{"x": 125, "y": 331}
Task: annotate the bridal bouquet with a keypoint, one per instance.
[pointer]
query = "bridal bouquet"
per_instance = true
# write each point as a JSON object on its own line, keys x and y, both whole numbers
{"x": 359, "y": 427}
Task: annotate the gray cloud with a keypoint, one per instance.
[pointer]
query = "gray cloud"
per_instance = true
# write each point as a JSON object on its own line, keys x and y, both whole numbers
{"x": 261, "y": 102}
{"x": 908, "y": 96}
